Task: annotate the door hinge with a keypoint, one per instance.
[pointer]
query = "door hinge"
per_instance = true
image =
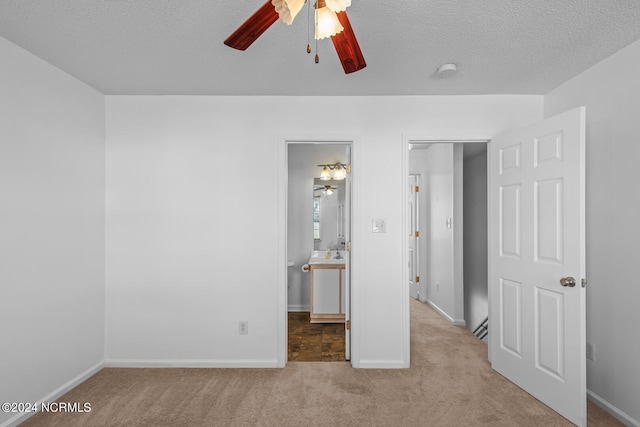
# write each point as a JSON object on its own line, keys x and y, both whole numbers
{"x": 584, "y": 283}
{"x": 417, "y": 279}
{"x": 348, "y": 246}
{"x": 417, "y": 188}
{"x": 348, "y": 325}
{"x": 349, "y": 168}
{"x": 417, "y": 234}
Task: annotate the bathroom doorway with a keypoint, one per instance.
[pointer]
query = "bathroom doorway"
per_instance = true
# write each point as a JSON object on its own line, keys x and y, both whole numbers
{"x": 317, "y": 249}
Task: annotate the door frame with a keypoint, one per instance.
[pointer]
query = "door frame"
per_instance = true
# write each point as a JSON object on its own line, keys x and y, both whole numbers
{"x": 282, "y": 276}
{"x": 415, "y": 216}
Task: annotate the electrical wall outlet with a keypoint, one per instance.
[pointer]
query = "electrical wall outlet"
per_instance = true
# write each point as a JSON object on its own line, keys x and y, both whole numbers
{"x": 591, "y": 351}
{"x": 243, "y": 327}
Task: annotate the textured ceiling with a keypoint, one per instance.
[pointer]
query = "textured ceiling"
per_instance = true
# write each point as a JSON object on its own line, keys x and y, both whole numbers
{"x": 175, "y": 46}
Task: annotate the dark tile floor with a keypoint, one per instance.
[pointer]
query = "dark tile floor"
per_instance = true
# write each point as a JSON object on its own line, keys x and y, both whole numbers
{"x": 315, "y": 342}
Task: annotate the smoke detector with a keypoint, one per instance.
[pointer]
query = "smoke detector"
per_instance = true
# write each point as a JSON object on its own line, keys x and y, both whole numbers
{"x": 447, "y": 70}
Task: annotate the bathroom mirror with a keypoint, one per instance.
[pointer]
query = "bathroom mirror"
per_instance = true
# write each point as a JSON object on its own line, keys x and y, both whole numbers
{"x": 328, "y": 214}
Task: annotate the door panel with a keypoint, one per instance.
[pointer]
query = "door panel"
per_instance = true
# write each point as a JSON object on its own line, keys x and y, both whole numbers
{"x": 548, "y": 215}
{"x": 549, "y": 324}
{"x": 536, "y": 216}
{"x": 510, "y": 221}
{"x": 511, "y": 316}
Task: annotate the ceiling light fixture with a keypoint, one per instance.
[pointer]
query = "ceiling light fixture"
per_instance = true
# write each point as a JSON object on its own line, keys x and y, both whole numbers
{"x": 338, "y": 5}
{"x": 288, "y": 9}
{"x": 337, "y": 171}
{"x": 327, "y": 24}
{"x": 330, "y": 19}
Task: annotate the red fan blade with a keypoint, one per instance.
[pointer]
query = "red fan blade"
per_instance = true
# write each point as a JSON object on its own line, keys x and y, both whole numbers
{"x": 347, "y": 47}
{"x": 253, "y": 27}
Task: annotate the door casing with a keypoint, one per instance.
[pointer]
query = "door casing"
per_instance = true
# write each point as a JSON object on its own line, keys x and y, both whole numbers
{"x": 282, "y": 303}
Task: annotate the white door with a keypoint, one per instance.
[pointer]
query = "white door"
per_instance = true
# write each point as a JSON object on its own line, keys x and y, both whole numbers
{"x": 414, "y": 279}
{"x": 537, "y": 238}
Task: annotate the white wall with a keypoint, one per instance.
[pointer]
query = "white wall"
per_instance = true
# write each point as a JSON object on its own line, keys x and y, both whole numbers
{"x": 303, "y": 168}
{"x": 476, "y": 298}
{"x": 184, "y": 268}
{"x": 51, "y": 229}
{"x": 610, "y": 91}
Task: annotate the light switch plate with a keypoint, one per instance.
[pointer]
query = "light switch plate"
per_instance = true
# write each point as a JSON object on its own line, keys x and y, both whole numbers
{"x": 379, "y": 225}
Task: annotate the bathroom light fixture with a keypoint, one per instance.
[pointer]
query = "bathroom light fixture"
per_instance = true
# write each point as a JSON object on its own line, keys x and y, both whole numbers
{"x": 325, "y": 175}
{"x": 337, "y": 171}
{"x": 340, "y": 172}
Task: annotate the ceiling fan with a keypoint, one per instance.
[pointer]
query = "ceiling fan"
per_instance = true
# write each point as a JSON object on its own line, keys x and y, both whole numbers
{"x": 344, "y": 41}
{"x": 328, "y": 189}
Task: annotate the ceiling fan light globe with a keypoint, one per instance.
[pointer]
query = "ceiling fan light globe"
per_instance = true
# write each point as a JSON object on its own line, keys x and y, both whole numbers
{"x": 287, "y": 9}
{"x": 338, "y": 5}
{"x": 327, "y": 23}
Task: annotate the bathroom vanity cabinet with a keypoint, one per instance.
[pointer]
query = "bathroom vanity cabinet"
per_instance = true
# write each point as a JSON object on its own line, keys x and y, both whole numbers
{"x": 327, "y": 299}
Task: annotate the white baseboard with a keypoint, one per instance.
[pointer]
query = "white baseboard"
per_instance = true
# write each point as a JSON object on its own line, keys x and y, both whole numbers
{"x": 191, "y": 363}
{"x": 612, "y": 410}
{"x": 298, "y": 308}
{"x": 441, "y": 312}
{"x": 381, "y": 364}
{"x": 64, "y": 388}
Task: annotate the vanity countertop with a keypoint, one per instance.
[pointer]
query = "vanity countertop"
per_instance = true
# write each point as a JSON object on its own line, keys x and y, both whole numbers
{"x": 319, "y": 257}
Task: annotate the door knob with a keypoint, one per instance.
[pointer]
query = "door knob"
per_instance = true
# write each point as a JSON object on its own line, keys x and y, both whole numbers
{"x": 569, "y": 282}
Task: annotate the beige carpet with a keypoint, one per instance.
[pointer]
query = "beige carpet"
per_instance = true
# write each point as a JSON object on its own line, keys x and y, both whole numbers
{"x": 449, "y": 383}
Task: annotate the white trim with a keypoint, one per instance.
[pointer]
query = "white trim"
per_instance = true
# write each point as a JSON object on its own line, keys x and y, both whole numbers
{"x": 51, "y": 397}
{"x": 356, "y": 261}
{"x": 406, "y": 227}
{"x": 441, "y": 312}
{"x": 616, "y": 413}
{"x": 425, "y": 143}
{"x": 192, "y": 363}
{"x": 299, "y": 308}
{"x": 282, "y": 275}
{"x": 489, "y": 234}
{"x": 382, "y": 364}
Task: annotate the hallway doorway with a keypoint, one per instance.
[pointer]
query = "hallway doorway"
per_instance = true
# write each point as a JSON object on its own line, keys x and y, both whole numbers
{"x": 449, "y": 209}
